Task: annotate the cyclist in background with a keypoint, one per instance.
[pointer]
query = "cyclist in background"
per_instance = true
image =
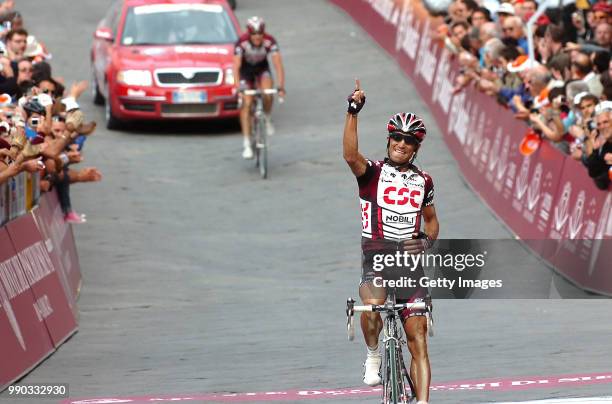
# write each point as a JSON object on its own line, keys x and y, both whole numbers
{"x": 395, "y": 196}
{"x": 252, "y": 70}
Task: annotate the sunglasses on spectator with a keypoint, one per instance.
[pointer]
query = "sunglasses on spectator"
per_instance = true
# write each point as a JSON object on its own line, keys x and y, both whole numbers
{"x": 58, "y": 118}
{"x": 46, "y": 91}
{"x": 398, "y": 137}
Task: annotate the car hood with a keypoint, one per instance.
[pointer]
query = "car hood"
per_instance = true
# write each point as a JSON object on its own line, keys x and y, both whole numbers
{"x": 150, "y": 57}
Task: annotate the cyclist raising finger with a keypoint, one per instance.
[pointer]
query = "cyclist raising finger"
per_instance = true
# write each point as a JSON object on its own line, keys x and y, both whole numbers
{"x": 396, "y": 198}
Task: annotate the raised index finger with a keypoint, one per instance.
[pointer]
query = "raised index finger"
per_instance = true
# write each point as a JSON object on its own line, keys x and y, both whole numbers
{"x": 357, "y": 85}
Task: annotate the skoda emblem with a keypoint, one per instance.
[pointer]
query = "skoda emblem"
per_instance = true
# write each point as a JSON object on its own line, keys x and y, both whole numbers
{"x": 188, "y": 74}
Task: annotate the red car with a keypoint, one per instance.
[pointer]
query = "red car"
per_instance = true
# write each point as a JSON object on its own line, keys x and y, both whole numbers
{"x": 156, "y": 59}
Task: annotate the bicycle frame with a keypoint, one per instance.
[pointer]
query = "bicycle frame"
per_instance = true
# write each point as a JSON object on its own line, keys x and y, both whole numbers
{"x": 397, "y": 385}
{"x": 259, "y": 136}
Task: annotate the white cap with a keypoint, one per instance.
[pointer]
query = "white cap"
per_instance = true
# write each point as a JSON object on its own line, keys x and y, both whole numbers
{"x": 578, "y": 97}
{"x": 604, "y": 106}
{"x": 505, "y": 8}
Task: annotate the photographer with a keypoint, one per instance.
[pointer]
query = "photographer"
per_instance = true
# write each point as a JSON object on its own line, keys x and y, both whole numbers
{"x": 585, "y": 103}
{"x": 598, "y": 147}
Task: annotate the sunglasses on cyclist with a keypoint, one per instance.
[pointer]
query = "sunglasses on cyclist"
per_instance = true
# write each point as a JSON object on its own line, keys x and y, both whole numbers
{"x": 398, "y": 137}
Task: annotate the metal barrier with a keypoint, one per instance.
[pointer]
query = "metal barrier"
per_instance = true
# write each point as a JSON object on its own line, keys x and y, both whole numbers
{"x": 18, "y": 196}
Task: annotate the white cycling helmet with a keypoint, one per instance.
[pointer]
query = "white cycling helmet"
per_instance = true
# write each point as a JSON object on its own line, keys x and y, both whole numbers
{"x": 256, "y": 25}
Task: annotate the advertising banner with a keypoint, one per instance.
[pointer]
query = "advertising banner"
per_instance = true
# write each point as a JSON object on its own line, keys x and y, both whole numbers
{"x": 581, "y": 222}
{"x": 42, "y": 219}
{"x": 24, "y": 338}
{"x": 62, "y": 237}
{"x": 51, "y": 303}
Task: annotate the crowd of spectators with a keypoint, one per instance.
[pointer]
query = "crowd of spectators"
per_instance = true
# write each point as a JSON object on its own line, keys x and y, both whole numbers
{"x": 42, "y": 129}
{"x": 565, "y": 93}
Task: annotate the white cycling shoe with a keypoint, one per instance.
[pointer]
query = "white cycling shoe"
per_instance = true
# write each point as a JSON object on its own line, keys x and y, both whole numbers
{"x": 371, "y": 370}
{"x": 247, "y": 152}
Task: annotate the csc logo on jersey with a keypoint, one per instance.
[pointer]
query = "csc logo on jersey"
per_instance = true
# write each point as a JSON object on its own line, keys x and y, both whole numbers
{"x": 402, "y": 196}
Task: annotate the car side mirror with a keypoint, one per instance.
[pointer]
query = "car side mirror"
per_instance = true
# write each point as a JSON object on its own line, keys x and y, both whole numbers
{"x": 104, "y": 33}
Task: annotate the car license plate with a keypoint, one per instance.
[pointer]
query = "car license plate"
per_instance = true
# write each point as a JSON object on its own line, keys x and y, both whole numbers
{"x": 192, "y": 97}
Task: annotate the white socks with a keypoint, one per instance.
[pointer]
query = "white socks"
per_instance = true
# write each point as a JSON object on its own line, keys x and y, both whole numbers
{"x": 373, "y": 351}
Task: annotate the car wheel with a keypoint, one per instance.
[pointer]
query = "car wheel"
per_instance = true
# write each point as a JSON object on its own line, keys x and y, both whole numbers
{"x": 98, "y": 98}
{"x": 232, "y": 4}
{"x": 112, "y": 123}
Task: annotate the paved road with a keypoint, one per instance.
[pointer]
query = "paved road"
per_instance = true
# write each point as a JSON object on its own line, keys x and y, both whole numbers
{"x": 199, "y": 277}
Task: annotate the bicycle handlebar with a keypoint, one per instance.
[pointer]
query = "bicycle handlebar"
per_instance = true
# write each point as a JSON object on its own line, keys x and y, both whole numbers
{"x": 267, "y": 91}
{"x": 351, "y": 309}
{"x": 384, "y": 308}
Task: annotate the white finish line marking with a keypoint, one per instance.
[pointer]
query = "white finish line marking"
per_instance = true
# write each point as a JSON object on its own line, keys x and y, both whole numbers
{"x": 518, "y": 383}
{"x": 575, "y": 400}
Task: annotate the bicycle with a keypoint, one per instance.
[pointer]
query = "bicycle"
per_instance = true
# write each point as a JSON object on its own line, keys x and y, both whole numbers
{"x": 395, "y": 390}
{"x": 259, "y": 135}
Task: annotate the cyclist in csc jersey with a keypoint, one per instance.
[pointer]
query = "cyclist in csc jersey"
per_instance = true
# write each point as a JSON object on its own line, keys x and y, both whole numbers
{"x": 396, "y": 199}
{"x": 252, "y": 70}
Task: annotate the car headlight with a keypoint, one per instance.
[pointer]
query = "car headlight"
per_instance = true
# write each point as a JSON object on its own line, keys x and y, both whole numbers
{"x": 229, "y": 76}
{"x": 135, "y": 77}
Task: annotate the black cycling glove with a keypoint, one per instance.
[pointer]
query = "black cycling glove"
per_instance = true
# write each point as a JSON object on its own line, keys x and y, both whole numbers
{"x": 355, "y": 106}
{"x": 419, "y": 244}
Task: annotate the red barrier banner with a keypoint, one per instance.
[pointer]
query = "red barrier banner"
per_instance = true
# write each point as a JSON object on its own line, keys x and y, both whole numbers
{"x": 42, "y": 219}
{"x": 24, "y": 339}
{"x": 51, "y": 222}
{"x": 581, "y": 218}
{"x": 51, "y": 303}
{"x": 541, "y": 197}
{"x": 4, "y": 212}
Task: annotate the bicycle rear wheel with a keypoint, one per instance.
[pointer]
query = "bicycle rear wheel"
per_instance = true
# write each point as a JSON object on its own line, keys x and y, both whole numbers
{"x": 411, "y": 393}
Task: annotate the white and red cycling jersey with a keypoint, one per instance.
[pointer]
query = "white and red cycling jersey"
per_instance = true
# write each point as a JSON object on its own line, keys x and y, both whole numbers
{"x": 392, "y": 201}
{"x": 254, "y": 58}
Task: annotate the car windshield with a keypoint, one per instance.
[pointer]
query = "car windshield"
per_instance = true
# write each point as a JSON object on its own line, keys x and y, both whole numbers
{"x": 176, "y": 24}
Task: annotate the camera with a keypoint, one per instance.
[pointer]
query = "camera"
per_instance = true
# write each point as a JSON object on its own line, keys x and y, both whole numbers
{"x": 591, "y": 125}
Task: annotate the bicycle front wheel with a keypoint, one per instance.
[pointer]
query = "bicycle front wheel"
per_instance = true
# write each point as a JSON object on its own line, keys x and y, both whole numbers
{"x": 390, "y": 387}
{"x": 255, "y": 140}
{"x": 262, "y": 151}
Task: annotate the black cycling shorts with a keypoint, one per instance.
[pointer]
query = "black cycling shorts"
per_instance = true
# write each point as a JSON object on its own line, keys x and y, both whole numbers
{"x": 404, "y": 278}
